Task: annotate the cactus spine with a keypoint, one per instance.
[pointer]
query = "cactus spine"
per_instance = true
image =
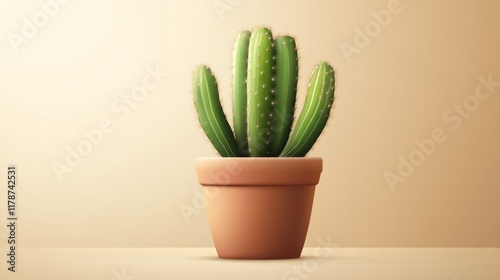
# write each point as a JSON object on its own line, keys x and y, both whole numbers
{"x": 265, "y": 74}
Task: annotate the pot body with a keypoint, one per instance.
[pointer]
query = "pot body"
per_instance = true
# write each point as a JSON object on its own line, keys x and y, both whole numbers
{"x": 259, "y": 208}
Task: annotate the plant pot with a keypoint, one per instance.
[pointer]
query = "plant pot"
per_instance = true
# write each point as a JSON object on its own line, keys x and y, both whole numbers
{"x": 259, "y": 208}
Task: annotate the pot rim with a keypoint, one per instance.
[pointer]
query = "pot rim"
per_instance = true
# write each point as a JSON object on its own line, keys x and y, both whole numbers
{"x": 258, "y": 171}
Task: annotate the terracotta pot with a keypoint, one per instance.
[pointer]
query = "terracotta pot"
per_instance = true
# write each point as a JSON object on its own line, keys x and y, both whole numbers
{"x": 259, "y": 208}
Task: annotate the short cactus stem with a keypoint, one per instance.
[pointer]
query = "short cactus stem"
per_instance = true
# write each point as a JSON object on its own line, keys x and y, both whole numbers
{"x": 210, "y": 113}
{"x": 314, "y": 115}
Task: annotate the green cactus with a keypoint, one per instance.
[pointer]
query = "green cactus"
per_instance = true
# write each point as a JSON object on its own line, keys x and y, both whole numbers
{"x": 260, "y": 92}
{"x": 287, "y": 75}
{"x": 265, "y": 75}
{"x": 210, "y": 113}
{"x": 240, "y": 66}
{"x": 315, "y": 113}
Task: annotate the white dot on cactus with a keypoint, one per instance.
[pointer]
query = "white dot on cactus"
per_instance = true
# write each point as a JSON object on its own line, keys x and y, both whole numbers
{"x": 264, "y": 86}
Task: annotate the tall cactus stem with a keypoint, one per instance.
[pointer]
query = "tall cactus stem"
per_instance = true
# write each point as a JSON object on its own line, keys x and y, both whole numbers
{"x": 240, "y": 65}
{"x": 260, "y": 91}
{"x": 287, "y": 71}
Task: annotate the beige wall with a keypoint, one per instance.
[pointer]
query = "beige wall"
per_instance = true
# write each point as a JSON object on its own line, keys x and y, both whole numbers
{"x": 75, "y": 72}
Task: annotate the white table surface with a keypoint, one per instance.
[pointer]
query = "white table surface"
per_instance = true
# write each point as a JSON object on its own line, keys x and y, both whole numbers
{"x": 202, "y": 263}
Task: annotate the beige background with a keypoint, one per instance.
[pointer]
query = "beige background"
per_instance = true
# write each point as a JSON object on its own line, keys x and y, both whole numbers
{"x": 128, "y": 191}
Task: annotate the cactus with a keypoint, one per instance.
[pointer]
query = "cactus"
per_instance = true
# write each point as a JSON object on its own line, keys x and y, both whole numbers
{"x": 240, "y": 65}
{"x": 260, "y": 92}
{"x": 287, "y": 75}
{"x": 315, "y": 113}
{"x": 265, "y": 75}
{"x": 210, "y": 113}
